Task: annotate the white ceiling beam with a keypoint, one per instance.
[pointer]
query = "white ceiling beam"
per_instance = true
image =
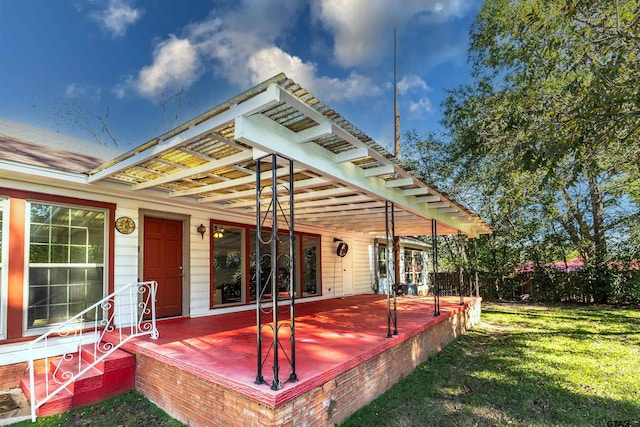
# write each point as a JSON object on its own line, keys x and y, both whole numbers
{"x": 298, "y": 185}
{"x": 438, "y": 205}
{"x": 428, "y": 199}
{"x": 402, "y": 182}
{"x": 382, "y": 170}
{"x": 368, "y": 213}
{"x": 322, "y": 129}
{"x": 334, "y": 208}
{"x": 241, "y": 157}
{"x": 245, "y": 180}
{"x": 352, "y": 154}
{"x": 420, "y": 191}
{"x": 259, "y": 102}
{"x": 448, "y": 210}
{"x": 327, "y": 203}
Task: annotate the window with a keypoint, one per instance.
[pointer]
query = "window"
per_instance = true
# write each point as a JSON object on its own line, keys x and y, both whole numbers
{"x": 234, "y": 265}
{"x": 228, "y": 266}
{"x": 66, "y": 262}
{"x": 413, "y": 268}
{"x": 310, "y": 265}
{"x": 382, "y": 260}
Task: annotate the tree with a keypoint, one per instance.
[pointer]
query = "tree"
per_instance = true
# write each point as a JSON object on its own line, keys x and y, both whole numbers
{"x": 549, "y": 127}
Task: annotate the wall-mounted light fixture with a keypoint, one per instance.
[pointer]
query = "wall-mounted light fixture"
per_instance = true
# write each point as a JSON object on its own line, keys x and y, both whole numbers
{"x": 202, "y": 229}
{"x": 218, "y": 232}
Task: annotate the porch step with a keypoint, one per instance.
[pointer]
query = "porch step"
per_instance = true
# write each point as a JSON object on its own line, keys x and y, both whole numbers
{"x": 113, "y": 376}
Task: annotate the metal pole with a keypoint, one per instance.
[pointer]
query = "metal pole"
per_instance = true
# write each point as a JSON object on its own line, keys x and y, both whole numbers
{"x": 475, "y": 262}
{"x": 292, "y": 278}
{"x": 395, "y": 269}
{"x": 460, "y": 278}
{"x": 258, "y": 278}
{"x": 275, "y": 285}
{"x": 436, "y": 285}
{"x": 389, "y": 275}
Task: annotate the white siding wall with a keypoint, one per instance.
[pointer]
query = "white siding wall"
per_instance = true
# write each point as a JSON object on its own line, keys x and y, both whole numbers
{"x": 197, "y": 281}
{"x": 200, "y": 280}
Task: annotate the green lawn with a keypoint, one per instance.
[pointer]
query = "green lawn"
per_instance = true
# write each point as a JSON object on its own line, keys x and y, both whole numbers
{"x": 524, "y": 365}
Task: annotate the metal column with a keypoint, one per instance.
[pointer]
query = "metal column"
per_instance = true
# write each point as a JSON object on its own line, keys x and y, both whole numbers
{"x": 436, "y": 285}
{"x": 460, "y": 258}
{"x": 269, "y": 276}
{"x": 390, "y": 228}
{"x": 475, "y": 267}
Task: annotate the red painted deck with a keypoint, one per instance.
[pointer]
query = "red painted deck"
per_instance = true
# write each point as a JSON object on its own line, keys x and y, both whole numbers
{"x": 332, "y": 336}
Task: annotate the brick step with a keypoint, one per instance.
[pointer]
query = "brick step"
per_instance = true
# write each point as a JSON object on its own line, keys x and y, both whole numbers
{"x": 111, "y": 377}
{"x": 60, "y": 403}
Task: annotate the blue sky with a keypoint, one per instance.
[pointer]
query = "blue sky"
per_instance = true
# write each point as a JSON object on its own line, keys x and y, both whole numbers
{"x": 128, "y": 70}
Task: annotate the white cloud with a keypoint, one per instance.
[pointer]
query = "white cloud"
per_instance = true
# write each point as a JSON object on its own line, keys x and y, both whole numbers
{"x": 117, "y": 17}
{"x": 423, "y": 105}
{"x": 175, "y": 65}
{"x": 241, "y": 46}
{"x": 410, "y": 82}
{"x": 354, "y": 87}
{"x": 363, "y": 29}
{"x": 267, "y": 62}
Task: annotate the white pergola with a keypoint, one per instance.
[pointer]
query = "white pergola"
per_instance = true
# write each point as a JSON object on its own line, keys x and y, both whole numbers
{"x": 342, "y": 178}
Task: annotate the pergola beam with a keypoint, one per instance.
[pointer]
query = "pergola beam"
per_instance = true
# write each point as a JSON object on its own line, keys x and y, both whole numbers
{"x": 240, "y": 157}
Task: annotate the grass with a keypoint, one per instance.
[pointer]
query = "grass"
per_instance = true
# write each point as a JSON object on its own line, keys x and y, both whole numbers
{"x": 524, "y": 365}
{"x": 130, "y": 409}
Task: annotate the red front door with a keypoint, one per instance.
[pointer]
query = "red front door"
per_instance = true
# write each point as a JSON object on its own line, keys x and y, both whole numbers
{"x": 163, "y": 263}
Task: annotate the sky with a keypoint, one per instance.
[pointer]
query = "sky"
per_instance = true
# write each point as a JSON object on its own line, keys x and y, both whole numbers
{"x": 125, "y": 71}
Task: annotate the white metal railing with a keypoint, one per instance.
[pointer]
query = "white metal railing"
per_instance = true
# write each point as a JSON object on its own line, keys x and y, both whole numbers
{"x": 127, "y": 313}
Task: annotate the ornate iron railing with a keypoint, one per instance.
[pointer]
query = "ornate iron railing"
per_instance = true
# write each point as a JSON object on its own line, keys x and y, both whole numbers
{"x": 127, "y": 313}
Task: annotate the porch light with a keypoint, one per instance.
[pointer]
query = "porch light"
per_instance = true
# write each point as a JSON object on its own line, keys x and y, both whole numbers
{"x": 218, "y": 232}
{"x": 202, "y": 229}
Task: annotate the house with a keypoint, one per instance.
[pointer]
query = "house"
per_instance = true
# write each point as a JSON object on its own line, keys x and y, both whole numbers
{"x": 202, "y": 209}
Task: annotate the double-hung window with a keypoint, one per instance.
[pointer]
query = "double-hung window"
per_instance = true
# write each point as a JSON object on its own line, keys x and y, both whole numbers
{"x": 66, "y": 273}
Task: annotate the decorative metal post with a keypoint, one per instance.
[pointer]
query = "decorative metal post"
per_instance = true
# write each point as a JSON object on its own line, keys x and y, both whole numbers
{"x": 460, "y": 257}
{"x": 436, "y": 285}
{"x": 275, "y": 281}
{"x": 475, "y": 267}
{"x": 391, "y": 256}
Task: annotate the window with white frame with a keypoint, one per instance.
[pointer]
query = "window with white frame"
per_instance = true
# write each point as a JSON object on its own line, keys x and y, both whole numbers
{"x": 67, "y": 249}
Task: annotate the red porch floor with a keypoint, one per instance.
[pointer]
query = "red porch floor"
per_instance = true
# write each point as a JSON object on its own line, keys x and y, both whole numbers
{"x": 332, "y": 336}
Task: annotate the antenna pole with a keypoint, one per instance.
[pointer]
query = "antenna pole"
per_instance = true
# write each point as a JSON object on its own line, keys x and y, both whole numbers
{"x": 395, "y": 97}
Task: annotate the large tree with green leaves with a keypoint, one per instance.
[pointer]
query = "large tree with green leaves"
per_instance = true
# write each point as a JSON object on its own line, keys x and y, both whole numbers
{"x": 549, "y": 129}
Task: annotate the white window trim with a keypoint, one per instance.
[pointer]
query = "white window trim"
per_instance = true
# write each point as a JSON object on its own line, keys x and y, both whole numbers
{"x": 26, "y": 331}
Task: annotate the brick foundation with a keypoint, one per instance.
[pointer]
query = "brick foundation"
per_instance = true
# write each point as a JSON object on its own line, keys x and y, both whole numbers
{"x": 198, "y": 402}
{"x": 10, "y": 375}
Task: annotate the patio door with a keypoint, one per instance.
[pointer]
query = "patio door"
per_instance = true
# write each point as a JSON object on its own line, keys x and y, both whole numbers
{"x": 163, "y": 263}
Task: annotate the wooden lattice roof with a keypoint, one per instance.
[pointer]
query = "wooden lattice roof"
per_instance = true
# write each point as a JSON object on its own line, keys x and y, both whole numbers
{"x": 342, "y": 177}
